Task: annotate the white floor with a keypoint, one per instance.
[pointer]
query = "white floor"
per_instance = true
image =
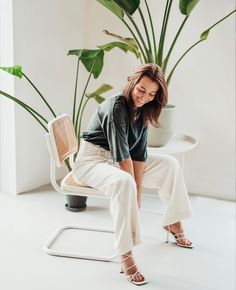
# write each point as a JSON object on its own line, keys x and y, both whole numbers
{"x": 27, "y": 220}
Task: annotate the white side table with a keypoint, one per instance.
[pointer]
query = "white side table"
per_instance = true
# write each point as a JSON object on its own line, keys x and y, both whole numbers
{"x": 180, "y": 144}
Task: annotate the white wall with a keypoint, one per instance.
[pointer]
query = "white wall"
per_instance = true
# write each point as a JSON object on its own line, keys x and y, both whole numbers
{"x": 202, "y": 87}
{"x": 204, "y": 90}
{"x": 7, "y": 108}
{"x": 43, "y": 32}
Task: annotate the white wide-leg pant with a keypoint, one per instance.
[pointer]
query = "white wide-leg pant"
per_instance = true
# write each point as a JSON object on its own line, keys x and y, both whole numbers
{"x": 94, "y": 167}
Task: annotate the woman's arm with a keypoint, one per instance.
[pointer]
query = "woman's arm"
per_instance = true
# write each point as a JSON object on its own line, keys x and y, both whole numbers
{"x": 134, "y": 168}
{"x": 127, "y": 165}
{"x": 138, "y": 176}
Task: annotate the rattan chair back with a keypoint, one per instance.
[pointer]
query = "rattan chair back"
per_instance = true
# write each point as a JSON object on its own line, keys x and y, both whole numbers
{"x": 63, "y": 138}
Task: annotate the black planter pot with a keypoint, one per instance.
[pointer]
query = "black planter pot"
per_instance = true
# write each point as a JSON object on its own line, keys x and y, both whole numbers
{"x": 75, "y": 203}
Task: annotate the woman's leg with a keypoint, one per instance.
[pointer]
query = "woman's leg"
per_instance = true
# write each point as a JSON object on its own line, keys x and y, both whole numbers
{"x": 163, "y": 172}
{"x": 121, "y": 188}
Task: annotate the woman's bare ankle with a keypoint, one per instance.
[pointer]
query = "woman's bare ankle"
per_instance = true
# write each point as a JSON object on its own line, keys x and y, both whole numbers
{"x": 129, "y": 267}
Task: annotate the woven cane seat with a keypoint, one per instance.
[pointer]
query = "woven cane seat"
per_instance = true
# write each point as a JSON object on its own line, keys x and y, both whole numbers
{"x": 69, "y": 184}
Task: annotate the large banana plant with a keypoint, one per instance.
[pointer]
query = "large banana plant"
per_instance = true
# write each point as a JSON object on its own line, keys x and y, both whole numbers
{"x": 93, "y": 62}
{"x": 152, "y": 50}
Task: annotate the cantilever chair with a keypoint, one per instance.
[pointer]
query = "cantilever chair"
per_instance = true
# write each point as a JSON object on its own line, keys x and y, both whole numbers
{"x": 62, "y": 144}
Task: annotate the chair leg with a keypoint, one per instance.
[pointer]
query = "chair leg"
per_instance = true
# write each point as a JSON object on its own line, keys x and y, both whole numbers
{"x": 57, "y": 233}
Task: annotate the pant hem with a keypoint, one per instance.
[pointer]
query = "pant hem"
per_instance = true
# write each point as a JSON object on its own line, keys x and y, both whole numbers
{"x": 178, "y": 218}
{"x": 128, "y": 249}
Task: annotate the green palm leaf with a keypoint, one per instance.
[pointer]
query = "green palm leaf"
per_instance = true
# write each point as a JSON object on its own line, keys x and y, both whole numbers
{"x": 123, "y": 46}
{"x": 186, "y": 6}
{"x": 97, "y": 93}
{"x": 14, "y": 70}
{"x": 128, "y": 6}
{"x": 101, "y": 90}
{"x": 88, "y": 57}
{"x": 99, "y": 99}
{"x": 113, "y": 7}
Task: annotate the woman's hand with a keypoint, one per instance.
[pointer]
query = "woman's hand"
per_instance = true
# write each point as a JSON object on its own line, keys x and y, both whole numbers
{"x": 136, "y": 169}
{"x": 138, "y": 175}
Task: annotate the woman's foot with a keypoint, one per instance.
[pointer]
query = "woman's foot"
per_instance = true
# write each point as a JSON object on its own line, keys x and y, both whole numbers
{"x": 177, "y": 231}
{"x": 129, "y": 268}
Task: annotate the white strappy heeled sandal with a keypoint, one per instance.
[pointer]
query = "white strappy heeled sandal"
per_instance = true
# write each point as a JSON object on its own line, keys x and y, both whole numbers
{"x": 179, "y": 236}
{"x": 131, "y": 277}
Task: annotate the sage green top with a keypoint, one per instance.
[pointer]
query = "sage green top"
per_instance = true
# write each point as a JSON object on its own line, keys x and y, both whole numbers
{"x": 111, "y": 128}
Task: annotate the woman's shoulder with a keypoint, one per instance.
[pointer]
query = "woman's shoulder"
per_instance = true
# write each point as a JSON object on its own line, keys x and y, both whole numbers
{"x": 120, "y": 106}
{"x": 117, "y": 98}
{"x": 116, "y": 108}
{"x": 119, "y": 101}
{"x": 112, "y": 105}
{"x": 115, "y": 102}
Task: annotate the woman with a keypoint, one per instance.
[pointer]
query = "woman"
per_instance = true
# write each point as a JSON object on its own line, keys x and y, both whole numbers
{"x": 113, "y": 159}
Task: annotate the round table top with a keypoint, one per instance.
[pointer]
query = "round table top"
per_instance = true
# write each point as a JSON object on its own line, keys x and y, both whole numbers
{"x": 179, "y": 143}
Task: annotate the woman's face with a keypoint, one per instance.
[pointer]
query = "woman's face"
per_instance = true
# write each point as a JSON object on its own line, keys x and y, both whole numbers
{"x": 144, "y": 91}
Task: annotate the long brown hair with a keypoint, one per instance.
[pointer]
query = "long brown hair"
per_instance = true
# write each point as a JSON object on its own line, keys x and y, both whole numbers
{"x": 151, "y": 110}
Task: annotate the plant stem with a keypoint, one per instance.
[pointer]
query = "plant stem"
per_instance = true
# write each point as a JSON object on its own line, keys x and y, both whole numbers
{"x": 80, "y": 120}
{"x": 137, "y": 41}
{"x": 140, "y": 36}
{"x": 27, "y": 108}
{"x": 81, "y": 100}
{"x": 196, "y": 43}
{"x": 153, "y": 33}
{"x": 39, "y": 94}
{"x": 67, "y": 163}
{"x": 75, "y": 94}
{"x": 146, "y": 32}
{"x": 173, "y": 69}
{"x": 173, "y": 44}
{"x": 221, "y": 19}
{"x": 163, "y": 32}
